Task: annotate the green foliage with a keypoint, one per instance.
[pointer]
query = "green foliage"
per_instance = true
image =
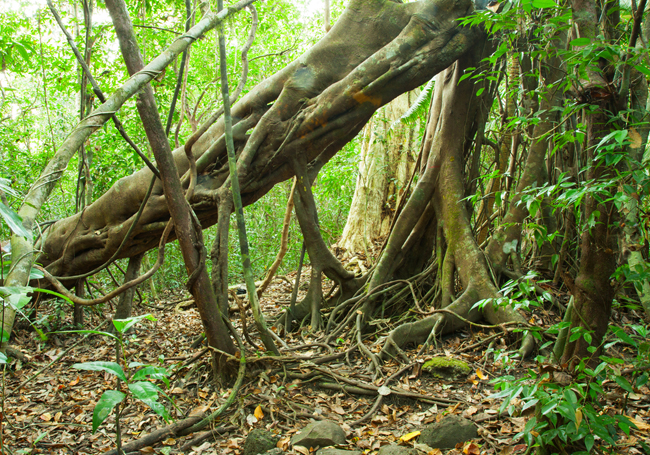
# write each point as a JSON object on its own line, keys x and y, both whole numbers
{"x": 569, "y": 415}
{"x": 137, "y": 378}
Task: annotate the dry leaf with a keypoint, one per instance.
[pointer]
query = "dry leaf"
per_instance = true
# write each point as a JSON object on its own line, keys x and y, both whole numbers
{"x": 301, "y": 449}
{"x": 46, "y": 417}
{"x": 146, "y": 450}
{"x": 640, "y": 425}
{"x": 338, "y": 409}
{"x": 578, "y": 417}
{"x": 635, "y": 138}
{"x": 169, "y": 442}
{"x": 383, "y": 391}
{"x": 283, "y": 443}
{"x": 258, "y": 413}
{"x": 74, "y": 382}
{"x": 480, "y": 374}
{"x": 494, "y": 6}
{"x": 198, "y": 411}
{"x": 471, "y": 449}
{"x": 409, "y": 436}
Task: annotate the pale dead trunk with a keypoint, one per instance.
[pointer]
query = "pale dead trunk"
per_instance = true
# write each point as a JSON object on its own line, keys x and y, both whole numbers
{"x": 388, "y": 152}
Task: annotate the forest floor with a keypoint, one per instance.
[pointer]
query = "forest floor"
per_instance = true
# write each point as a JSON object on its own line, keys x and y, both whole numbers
{"x": 49, "y": 406}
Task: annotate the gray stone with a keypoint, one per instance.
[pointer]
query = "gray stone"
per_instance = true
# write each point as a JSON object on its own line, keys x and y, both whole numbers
{"x": 447, "y": 368}
{"x": 450, "y": 431}
{"x": 333, "y": 451}
{"x": 323, "y": 433}
{"x": 394, "y": 449}
{"x": 259, "y": 441}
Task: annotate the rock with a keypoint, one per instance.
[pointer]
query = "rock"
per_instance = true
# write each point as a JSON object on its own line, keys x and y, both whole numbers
{"x": 319, "y": 434}
{"x": 446, "y": 368}
{"x": 333, "y": 451}
{"x": 394, "y": 449}
{"x": 450, "y": 431}
{"x": 259, "y": 441}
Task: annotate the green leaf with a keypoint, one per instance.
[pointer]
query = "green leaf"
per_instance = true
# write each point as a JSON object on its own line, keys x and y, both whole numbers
{"x": 3, "y": 357}
{"x": 581, "y": 42}
{"x": 105, "y": 405}
{"x": 16, "y": 296}
{"x": 151, "y": 372}
{"x": 109, "y": 367}
{"x": 122, "y": 325}
{"x": 57, "y": 294}
{"x": 14, "y": 221}
{"x": 620, "y": 333}
{"x": 589, "y": 442}
{"x": 479, "y": 91}
{"x": 544, "y": 4}
{"x": 148, "y": 393}
{"x": 624, "y": 383}
{"x": 642, "y": 69}
{"x": 144, "y": 390}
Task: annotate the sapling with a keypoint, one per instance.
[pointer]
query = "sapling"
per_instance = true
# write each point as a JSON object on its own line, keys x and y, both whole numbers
{"x": 137, "y": 378}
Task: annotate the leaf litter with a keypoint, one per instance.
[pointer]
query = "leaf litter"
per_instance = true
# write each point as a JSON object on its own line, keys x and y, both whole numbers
{"x": 52, "y": 413}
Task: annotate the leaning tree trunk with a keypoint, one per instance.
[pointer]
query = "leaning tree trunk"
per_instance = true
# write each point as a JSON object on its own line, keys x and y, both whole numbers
{"x": 309, "y": 109}
{"x": 387, "y": 160}
{"x": 22, "y": 248}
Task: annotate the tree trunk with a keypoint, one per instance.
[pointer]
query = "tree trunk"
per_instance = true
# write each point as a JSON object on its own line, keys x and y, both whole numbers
{"x": 387, "y": 160}
{"x": 593, "y": 292}
{"x": 125, "y": 304}
{"x": 187, "y": 230}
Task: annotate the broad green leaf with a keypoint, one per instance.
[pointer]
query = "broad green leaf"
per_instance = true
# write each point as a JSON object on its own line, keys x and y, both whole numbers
{"x": 624, "y": 383}
{"x": 620, "y": 333}
{"x": 589, "y": 442}
{"x": 14, "y": 222}
{"x": 148, "y": 393}
{"x": 105, "y": 405}
{"x": 3, "y": 357}
{"x": 152, "y": 372}
{"x": 581, "y": 42}
{"x": 109, "y": 367}
{"x": 16, "y": 296}
{"x": 544, "y": 4}
{"x": 122, "y": 325}
{"x": 144, "y": 390}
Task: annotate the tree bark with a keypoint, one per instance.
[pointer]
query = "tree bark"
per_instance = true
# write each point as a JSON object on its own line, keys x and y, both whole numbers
{"x": 187, "y": 230}
{"x": 386, "y": 163}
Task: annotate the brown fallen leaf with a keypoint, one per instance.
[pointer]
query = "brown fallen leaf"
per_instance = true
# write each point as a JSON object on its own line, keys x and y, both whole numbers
{"x": 45, "y": 417}
{"x": 258, "y": 413}
{"x": 471, "y": 449}
{"x": 301, "y": 449}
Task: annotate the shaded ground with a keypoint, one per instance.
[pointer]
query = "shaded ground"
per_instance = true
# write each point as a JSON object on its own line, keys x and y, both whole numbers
{"x": 53, "y": 412}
